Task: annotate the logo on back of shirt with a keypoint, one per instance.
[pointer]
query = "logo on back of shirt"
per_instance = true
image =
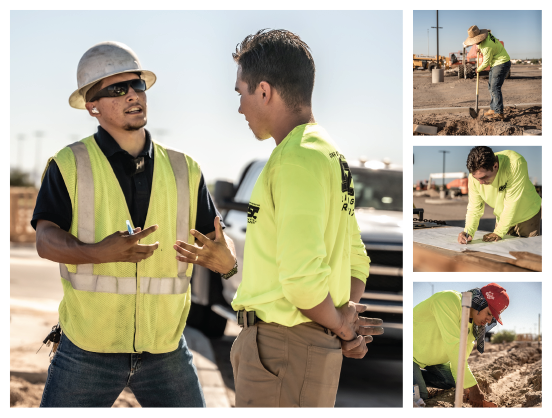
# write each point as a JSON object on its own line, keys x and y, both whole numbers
{"x": 502, "y": 188}
{"x": 252, "y": 211}
{"x": 347, "y": 189}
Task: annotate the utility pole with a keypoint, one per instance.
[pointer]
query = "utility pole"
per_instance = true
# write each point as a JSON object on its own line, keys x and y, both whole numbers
{"x": 538, "y": 335}
{"x": 437, "y": 27}
{"x": 20, "y": 139}
{"x": 444, "y": 153}
{"x": 38, "y": 135}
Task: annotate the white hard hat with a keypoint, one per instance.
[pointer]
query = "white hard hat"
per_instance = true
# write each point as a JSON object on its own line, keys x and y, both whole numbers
{"x": 103, "y": 60}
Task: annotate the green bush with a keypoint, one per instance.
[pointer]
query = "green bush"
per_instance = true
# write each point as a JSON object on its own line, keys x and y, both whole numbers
{"x": 503, "y": 337}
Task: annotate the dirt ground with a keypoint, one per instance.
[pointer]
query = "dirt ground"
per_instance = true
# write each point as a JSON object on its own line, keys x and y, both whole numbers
{"x": 510, "y": 375}
{"x": 523, "y": 86}
{"x": 516, "y": 122}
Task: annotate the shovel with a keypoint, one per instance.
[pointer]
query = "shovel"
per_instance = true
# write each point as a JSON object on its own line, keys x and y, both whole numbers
{"x": 475, "y": 112}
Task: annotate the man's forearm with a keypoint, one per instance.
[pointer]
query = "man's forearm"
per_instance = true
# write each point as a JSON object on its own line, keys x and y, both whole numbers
{"x": 325, "y": 314}
{"x": 55, "y": 244}
{"x": 357, "y": 289}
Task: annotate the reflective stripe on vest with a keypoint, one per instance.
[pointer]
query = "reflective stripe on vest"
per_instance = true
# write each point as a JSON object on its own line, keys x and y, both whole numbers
{"x": 85, "y": 279}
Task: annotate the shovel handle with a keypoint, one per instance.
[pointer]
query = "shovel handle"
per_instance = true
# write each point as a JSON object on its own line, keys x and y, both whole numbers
{"x": 477, "y": 87}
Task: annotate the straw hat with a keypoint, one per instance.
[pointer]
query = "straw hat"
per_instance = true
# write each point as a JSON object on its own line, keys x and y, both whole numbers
{"x": 475, "y": 35}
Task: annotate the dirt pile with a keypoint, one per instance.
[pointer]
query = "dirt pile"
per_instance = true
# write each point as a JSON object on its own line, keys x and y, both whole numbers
{"x": 509, "y": 374}
{"x": 516, "y": 122}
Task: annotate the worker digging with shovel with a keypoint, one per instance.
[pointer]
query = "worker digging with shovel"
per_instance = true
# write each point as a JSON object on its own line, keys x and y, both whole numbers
{"x": 437, "y": 338}
{"x": 495, "y": 56}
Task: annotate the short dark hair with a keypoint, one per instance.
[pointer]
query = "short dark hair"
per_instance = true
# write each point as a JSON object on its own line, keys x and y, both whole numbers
{"x": 280, "y": 58}
{"x": 481, "y": 157}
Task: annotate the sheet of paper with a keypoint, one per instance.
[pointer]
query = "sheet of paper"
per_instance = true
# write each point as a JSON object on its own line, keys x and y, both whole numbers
{"x": 447, "y": 238}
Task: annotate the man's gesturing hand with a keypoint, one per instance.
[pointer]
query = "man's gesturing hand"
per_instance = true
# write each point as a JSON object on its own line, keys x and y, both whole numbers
{"x": 464, "y": 238}
{"x": 212, "y": 254}
{"x": 353, "y": 325}
{"x": 123, "y": 247}
{"x": 491, "y": 237}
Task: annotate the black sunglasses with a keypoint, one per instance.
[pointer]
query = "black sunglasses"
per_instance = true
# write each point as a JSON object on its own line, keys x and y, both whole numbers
{"x": 120, "y": 89}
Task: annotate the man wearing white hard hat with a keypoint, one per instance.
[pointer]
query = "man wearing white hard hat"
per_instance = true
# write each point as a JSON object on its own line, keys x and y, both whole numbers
{"x": 495, "y": 56}
{"x": 111, "y": 210}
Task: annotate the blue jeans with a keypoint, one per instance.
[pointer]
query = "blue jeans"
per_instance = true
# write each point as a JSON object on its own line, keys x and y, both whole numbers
{"x": 438, "y": 376}
{"x": 497, "y": 75}
{"x": 79, "y": 378}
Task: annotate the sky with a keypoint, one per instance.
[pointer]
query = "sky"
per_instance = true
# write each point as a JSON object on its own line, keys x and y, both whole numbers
{"x": 522, "y": 312}
{"x": 520, "y": 30}
{"x": 193, "y": 105}
{"x": 429, "y": 160}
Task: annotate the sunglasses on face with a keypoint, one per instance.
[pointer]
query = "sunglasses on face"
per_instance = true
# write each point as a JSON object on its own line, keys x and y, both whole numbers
{"x": 121, "y": 88}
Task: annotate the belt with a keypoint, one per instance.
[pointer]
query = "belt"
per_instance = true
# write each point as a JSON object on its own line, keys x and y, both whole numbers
{"x": 250, "y": 317}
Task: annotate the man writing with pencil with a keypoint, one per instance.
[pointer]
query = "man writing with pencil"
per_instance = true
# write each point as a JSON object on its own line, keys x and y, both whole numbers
{"x": 501, "y": 180}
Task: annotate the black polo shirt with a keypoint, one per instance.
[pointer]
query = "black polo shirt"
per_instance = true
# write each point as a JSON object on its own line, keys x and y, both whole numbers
{"x": 54, "y": 204}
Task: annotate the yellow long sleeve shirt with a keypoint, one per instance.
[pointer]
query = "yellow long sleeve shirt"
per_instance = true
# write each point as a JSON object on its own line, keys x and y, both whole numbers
{"x": 511, "y": 194}
{"x": 437, "y": 333}
{"x": 302, "y": 239}
{"x": 493, "y": 52}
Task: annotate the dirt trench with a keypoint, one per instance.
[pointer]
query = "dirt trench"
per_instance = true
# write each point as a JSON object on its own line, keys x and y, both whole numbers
{"x": 516, "y": 122}
{"x": 509, "y": 374}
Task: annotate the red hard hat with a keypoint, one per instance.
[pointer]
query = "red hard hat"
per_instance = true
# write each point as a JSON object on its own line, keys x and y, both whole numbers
{"x": 496, "y": 298}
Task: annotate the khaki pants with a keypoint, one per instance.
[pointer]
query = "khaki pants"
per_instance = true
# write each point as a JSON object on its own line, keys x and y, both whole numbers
{"x": 283, "y": 366}
{"x": 529, "y": 228}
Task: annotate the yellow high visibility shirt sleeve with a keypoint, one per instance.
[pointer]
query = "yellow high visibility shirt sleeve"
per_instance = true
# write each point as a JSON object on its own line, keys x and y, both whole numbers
{"x": 360, "y": 263}
{"x": 476, "y": 207}
{"x": 300, "y": 209}
{"x": 437, "y": 333}
{"x": 511, "y": 194}
{"x": 302, "y": 238}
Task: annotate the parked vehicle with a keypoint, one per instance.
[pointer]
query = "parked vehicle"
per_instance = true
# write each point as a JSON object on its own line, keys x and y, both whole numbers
{"x": 378, "y": 197}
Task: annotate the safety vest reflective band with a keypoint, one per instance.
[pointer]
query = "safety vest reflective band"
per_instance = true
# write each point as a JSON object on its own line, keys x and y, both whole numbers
{"x": 125, "y": 285}
{"x": 127, "y": 307}
{"x": 84, "y": 279}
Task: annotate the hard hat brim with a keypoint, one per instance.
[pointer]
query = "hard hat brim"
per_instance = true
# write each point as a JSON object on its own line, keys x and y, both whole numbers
{"x": 77, "y": 99}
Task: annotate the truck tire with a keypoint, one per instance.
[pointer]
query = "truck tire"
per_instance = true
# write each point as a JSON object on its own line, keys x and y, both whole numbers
{"x": 461, "y": 72}
{"x": 469, "y": 70}
{"x": 205, "y": 320}
{"x": 431, "y": 67}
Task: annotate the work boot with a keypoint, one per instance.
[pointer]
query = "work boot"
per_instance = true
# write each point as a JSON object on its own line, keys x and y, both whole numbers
{"x": 489, "y": 112}
{"x": 498, "y": 116}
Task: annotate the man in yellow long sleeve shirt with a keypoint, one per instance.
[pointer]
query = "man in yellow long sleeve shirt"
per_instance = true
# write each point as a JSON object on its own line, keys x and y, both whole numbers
{"x": 305, "y": 265}
{"x": 436, "y": 339}
{"x": 501, "y": 180}
{"x": 496, "y": 57}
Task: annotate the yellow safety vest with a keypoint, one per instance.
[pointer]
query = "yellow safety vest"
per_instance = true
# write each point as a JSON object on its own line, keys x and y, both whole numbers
{"x": 127, "y": 307}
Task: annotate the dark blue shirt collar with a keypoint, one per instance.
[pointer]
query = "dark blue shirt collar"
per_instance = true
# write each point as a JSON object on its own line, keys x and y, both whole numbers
{"x": 109, "y": 146}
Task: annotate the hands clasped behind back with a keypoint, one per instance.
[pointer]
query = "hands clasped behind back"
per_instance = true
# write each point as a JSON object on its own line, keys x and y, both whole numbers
{"x": 356, "y": 331}
{"x": 123, "y": 247}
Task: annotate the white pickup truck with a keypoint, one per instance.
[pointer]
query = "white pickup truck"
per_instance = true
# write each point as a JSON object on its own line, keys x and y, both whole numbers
{"x": 378, "y": 197}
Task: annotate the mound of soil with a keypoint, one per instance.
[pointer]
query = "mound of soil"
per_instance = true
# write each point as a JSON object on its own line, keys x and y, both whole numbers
{"x": 515, "y": 122}
{"x": 509, "y": 374}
